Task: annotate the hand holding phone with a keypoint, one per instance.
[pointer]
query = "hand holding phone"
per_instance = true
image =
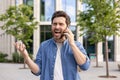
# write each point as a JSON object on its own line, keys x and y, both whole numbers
{"x": 70, "y": 36}
{"x": 63, "y": 35}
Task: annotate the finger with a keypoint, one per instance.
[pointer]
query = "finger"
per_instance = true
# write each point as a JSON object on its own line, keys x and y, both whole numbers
{"x": 20, "y": 43}
{"x": 69, "y": 31}
{"x": 22, "y": 47}
{"x": 67, "y": 35}
{"x": 16, "y": 45}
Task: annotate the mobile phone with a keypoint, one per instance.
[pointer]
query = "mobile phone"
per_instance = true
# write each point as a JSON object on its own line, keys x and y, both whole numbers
{"x": 63, "y": 33}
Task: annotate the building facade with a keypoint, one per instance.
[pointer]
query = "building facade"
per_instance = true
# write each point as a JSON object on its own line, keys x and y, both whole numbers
{"x": 43, "y": 10}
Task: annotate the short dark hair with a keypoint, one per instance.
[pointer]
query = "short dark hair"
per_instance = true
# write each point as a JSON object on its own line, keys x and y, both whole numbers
{"x": 61, "y": 14}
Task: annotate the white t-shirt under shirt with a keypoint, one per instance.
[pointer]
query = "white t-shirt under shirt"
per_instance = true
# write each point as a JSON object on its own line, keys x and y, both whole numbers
{"x": 58, "y": 74}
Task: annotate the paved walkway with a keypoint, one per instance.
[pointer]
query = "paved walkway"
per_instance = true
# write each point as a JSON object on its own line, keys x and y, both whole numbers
{"x": 14, "y": 72}
{"x": 94, "y": 72}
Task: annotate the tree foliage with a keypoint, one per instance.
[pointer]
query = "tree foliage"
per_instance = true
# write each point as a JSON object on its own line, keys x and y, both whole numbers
{"x": 19, "y": 22}
{"x": 100, "y": 19}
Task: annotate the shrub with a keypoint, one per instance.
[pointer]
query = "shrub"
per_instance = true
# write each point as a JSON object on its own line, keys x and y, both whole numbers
{"x": 17, "y": 58}
{"x": 3, "y": 57}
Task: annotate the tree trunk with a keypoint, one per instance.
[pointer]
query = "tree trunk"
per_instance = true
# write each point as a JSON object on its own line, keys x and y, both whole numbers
{"x": 106, "y": 57}
{"x": 24, "y": 66}
{"x": 96, "y": 52}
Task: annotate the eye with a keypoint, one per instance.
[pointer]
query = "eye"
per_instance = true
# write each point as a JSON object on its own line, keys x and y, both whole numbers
{"x": 54, "y": 24}
{"x": 61, "y": 24}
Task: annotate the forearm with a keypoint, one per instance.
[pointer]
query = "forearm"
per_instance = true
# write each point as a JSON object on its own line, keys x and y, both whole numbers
{"x": 22, "y": 49}
{"x": 79, "y": 56}
{"x": 31, "y": 64}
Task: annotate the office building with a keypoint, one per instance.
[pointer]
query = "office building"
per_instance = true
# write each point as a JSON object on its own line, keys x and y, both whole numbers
{"x": 43, "y": 10}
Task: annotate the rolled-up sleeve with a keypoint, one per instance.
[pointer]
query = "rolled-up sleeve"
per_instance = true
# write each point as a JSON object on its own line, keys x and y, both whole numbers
{"x": 86, "y": 65}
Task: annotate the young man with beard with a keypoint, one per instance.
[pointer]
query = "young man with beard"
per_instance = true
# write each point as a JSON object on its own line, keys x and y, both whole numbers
{"x": 58, "y": 57}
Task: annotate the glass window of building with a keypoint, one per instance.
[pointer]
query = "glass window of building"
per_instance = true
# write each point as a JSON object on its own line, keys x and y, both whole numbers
{"x": 45, "y": 32}
{"x": 110, "y": 48}
{"x": 69, "y": 6}
{"x": 28, "y": 2}
{"x": 47, "y": 8}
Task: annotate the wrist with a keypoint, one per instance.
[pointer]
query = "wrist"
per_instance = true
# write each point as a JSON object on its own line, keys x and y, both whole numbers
{"x": 24, "y": 53}
{"x": 72, "y": 43}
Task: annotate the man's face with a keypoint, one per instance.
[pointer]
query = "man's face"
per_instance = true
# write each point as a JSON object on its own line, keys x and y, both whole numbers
{"x": 58, "y": 27}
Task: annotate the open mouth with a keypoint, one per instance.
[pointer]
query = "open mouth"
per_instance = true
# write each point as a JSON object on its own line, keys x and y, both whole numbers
{"x": 57, "y": 32}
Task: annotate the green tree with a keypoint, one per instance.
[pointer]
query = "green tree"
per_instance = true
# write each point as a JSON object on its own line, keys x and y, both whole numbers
{"x": 100, "y": 20}
{"x": 19, "y": 22}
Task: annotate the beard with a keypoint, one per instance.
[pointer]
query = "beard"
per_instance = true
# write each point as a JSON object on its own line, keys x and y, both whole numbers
{"x": 58, "y": 34}
{"x": 58, "y": 37}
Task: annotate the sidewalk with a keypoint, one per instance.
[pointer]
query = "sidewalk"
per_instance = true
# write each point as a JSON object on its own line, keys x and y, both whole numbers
{"x": 94, "y": 72}
{"x": 14, "y": 72}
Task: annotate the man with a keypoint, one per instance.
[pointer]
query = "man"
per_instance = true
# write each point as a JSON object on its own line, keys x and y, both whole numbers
{"x": 58, "y": 57}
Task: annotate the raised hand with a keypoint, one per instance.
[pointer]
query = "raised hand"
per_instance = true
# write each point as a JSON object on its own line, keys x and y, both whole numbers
{"x": 21, "y": 48}
{"x": 69, "y": 35}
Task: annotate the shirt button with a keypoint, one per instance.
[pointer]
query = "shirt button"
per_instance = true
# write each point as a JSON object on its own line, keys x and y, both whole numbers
{"x": 51, "y": 76}
{"x": 52, "y": 66}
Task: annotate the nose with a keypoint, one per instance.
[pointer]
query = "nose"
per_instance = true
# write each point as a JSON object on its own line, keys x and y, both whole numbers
{"x": 57, "y": 26}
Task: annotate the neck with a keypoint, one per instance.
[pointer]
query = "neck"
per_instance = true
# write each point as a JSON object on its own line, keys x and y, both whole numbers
{"x": 60, "y": 40}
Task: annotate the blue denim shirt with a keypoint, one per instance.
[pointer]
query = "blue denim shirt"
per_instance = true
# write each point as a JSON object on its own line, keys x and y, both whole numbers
{"x": 46, "y": 56}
